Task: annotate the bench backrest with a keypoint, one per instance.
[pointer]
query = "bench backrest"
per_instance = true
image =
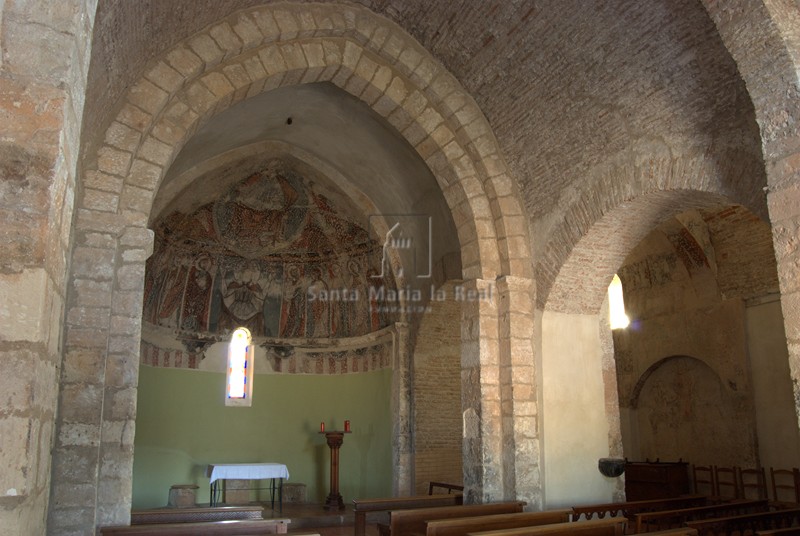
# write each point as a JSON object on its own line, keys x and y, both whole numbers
{"x": 404, "y": 522}
{"x": 791, "y": 531}
{"x": 750, "y": 522}
{"x": 185, "y": 515}
{"x": 682, "y": 531}
{"x": 630, "y": 508}
{"x": 462, "y": 525}
{"x": 243, "y": 527}
{"x": 675, "y": 518}
{"x": 414, "y": 501}
{"x": 613, "y": 526}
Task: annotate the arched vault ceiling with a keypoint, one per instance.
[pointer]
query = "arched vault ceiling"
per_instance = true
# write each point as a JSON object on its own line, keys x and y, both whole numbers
{"x": 567, "y": 85}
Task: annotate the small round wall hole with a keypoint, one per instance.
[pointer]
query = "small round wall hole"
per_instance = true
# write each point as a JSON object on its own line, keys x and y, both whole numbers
{"x": 289, "y": 121}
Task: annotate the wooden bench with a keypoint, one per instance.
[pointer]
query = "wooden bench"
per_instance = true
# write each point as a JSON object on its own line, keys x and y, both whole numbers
{"x": 594, "y": 527}
{"x": 361, "y": 507}
{"x": 681, "y": 531}
{"x": 461, "y": 526}
{"x": 239, "y": 527}
{"x": 668, "y": 519}
{"x": 195, "y": 515}
{"x": 631, "y": 508}
{"x": 613, "y": 526}
{"x": 413, "y": 522}
{"x": 751, "y": 523}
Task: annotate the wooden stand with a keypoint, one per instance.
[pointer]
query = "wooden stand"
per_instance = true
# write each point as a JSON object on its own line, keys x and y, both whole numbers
{"x": 334, "y": 500}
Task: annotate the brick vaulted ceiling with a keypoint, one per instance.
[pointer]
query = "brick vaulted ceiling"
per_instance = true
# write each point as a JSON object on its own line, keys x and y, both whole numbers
{"x": 567, "y": 85}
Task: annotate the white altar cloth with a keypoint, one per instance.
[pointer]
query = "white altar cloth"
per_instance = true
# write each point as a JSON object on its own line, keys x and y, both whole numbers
{"x": 246, "y": 471}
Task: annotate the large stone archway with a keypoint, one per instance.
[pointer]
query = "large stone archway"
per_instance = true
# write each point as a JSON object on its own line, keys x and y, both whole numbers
{"x": 762, "y": 39}
{"x": 244, "y": 55}
{"x": 576, "y": 345}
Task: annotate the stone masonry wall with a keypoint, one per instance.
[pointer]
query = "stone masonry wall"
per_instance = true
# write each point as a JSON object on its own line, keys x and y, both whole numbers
{"x": 42, "y": 79}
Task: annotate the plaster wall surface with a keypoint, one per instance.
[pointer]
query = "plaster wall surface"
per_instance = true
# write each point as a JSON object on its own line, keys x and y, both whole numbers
{"x": 575, "y": 426}
{"x": 778, "y": 440}
{"x": 675, "y": 394}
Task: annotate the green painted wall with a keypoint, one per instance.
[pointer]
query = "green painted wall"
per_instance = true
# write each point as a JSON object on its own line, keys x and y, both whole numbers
{"x": 182, "y": 425}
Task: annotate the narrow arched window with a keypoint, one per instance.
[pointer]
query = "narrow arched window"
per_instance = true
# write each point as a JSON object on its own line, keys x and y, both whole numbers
{"x": 616, "y": 305}
{"x": 239, "y": 379}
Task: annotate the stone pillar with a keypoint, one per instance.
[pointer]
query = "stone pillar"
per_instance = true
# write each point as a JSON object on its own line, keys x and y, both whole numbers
{"x": 402, "y": 413}
{"x": 762, "y": 40}
{"x": 480, "y": 393}
{"x": 784, "y": 211}
{"x": 612, "y": 395}
{"x": 93, "y": 454}
{"x": 76, "y": 452}
{"x": 519, "y": 393}
{"x": 121, "y": 378}
{"x": 45, "y": 55}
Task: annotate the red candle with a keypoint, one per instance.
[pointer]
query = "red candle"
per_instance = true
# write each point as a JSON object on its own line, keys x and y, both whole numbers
{"x": 322, "y": 426}
{"x": 346, "y": 426}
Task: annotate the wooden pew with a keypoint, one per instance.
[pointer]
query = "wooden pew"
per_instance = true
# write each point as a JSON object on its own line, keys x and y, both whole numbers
{"x": 613, "y": 526}
{"x": 751, "y": 523}
{"x": 681, "y": 531}
{"x": 412, "y": 522}
{"x": 790, "y": 531}
{"x": 239, "y": 527}
{"x": 361, "y": 507}
{"x": 460, "y": 526}
{"x": 667, "y": 519}
{"x": 631, "y": 508}
{"x": 197, "y": 514}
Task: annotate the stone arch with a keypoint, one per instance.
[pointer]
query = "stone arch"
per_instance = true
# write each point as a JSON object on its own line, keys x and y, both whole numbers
{"x": 685, "y": 420}
{"x": 597, "y": 231}
{"x": 762, "y": 39}
{"x": 248, "y": 53}
{"x": 362, "y": 54}
{"x": 614, "y": 213}
{"x": 640, "y": 383}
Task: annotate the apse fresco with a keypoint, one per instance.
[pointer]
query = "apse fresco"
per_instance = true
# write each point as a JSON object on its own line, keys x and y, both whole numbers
{"x": 271, "y": 254}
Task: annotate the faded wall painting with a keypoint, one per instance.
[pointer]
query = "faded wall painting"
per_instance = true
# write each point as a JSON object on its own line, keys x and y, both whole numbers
{"x": 275, "y": 254}
{"x": 684, "y": 407}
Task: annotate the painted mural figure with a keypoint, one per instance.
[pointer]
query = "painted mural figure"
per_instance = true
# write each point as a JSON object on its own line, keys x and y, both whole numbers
{"x": 294, "y": 307}
{"x": 197, "y": 299}
{"x": 153, "y": 285}
{"x": 260, "y": 212}
{"x": 359, "y": 319}
{"x": 340, "y": 309}
{"x": 172, "y": 293}
{"x": 273, "y": 299}
{"x": 243, "y": 299}
{"x": 318, "y": 310}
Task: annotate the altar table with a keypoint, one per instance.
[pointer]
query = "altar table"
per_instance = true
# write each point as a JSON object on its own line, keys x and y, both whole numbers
{"x": 247, "y": 471}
